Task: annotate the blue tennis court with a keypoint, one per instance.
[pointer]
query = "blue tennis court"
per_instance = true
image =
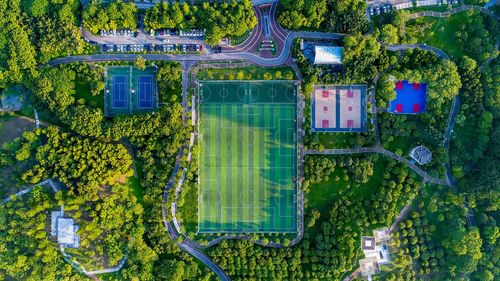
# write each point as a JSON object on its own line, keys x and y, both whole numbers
{"x": 120, "y": 91}
{"x": 145, "y": 94}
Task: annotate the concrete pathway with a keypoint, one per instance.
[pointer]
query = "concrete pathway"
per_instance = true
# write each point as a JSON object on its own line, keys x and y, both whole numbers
{"x": 27, "y": 190}
{"x": 380, "y": 150}
{"x": 452, "y": 11}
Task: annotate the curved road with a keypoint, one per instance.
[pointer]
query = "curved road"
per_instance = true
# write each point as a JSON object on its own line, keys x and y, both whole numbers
{"x": 280, "y": 60}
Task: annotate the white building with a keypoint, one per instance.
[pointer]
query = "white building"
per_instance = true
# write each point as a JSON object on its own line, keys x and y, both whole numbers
{"x": 327, "y": 55}
{"x": 421, "y": 3}
{"x": 64, "y": 229}
{"x": 376, "y": 252}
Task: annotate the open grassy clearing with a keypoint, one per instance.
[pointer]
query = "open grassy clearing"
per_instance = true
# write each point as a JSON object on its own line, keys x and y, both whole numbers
{"x": 83, "y": 91}
{"x": 322, "y": 193}
{"x": 440, "y": 32}
{"x": 12, "y": 127}
{"x": 237, "y": 40}
{"x": 441, "y": 8}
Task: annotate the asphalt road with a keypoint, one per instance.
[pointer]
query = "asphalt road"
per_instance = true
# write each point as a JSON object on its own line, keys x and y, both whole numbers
{"x": 404, "y": 47}
{"x": 280, "y": 60}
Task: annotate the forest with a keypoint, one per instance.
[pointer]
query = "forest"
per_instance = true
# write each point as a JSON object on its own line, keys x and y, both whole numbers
{"x": 341, "y": 16}
{"x": 115, "y": 15}
{"x": 227, "y": 19}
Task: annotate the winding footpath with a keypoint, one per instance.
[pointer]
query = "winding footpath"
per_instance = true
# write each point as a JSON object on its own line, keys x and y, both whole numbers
{"x": 380, "y": 150}
{"x": 184, "y": 244}
{"x": 453, "y": 11}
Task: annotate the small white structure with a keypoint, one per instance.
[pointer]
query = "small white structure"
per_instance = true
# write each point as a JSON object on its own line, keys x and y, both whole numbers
{"x": 422, "y": 3}
{"x": 64, "y": 229}
{"x": 376, "y": 252}
{"x": 404, "y": 5}
{"x": 327, "y": 55}
{"x": 421, "y": 154}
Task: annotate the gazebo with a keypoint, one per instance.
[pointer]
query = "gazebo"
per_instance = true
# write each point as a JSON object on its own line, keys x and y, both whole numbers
{"x": 421, "y": 154}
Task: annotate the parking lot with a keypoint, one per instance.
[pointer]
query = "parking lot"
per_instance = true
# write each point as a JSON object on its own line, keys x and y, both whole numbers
{"x": 378, "y": 7}
{"x": 152, "y": 48}
{"x": 154, "y": 41}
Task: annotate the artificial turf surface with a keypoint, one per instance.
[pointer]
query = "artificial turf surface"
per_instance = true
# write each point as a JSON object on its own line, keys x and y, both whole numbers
{"x": 248, "y": 157}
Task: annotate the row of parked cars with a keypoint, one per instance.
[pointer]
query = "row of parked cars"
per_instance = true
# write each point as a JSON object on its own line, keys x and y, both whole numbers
{"x": 380, "y": 9}
{"x": 180, "y": 48}
{"x": 120, "y": 32}
{"x": 449, "y": 2}
{"x": 168, "y": 48}
{"x": 124, "y": 48}
{"x": 175, "y": 32}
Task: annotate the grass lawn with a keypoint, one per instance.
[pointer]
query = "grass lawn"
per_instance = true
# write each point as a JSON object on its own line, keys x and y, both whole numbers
{"x": 335, "y": 140}
{"x": 321, "y": 194}
{"x": 247, "y": 73}
{"x": 403, "y": 144}
{"x": 237, "y": 40}
{"x": 441, "y": 8}
{"x": 87, "y": 261}
{"x": 12, "y": 127}
{"x": 187, "y": 207}
{"x": 82, "y": 91}
{"x": 475, "y": 2}
{"x": 439, "y": 32}
{"x": 135, "y": 184}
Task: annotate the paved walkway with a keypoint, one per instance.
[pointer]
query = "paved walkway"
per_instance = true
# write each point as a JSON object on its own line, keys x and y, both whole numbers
{"x": 27, "y": 190}
{"x": 380, "y": 150}
{"x": 452, "y": 11}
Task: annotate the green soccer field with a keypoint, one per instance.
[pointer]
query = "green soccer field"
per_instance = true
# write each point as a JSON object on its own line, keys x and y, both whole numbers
{"x": 248, "y": 157}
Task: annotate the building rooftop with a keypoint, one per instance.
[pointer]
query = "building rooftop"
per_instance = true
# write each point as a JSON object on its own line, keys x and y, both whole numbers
{"x": 382, "y": 234}
{"x": 327, "y": 55}
{"x": 369, "y": 266}
{"x": 64, "y": 229}
{"x": 367, "y": 243}
{"x": 421, "y": 154}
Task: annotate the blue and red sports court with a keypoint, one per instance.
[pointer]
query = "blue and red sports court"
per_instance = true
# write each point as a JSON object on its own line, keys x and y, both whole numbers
{"x": 410, "y": 98}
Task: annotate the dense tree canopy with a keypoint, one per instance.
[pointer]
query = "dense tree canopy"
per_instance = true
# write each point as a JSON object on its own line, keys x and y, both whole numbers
{"x": 115, "y": 15}
{"x": 27, "y": 251}
{"x": 343, "y": 16}
{"x": 231, "y": 19}
{"x": 84, "y": 165}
